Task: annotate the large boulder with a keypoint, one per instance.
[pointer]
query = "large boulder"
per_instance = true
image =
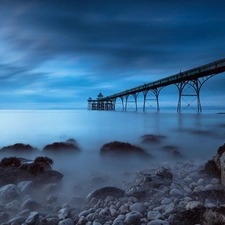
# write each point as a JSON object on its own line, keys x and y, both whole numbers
{"x": 117, "y": 148}
{"x": 19, "y": 148}
{"x": 152, "y": 139}
{"x": 70, "y": 146}
{"x": 216, "y": 166}
{"x": 14, "y": 170}
{"x": 102, "y": 193}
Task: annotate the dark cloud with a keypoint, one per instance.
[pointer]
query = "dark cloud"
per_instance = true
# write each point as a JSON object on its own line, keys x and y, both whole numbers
{"x": 116, "y": 39}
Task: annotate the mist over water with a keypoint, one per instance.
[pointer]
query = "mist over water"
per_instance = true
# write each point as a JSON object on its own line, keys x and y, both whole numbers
{"x": 195, "y": 135}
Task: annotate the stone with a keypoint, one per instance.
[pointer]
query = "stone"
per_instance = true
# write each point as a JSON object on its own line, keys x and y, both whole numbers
{"x": 193, "y": 204}
{"x": 198, "y": 189}
{"x": 209, "y": 187}
{"x": 67, "y": 221}
{"x": 32, "y": 218}
{"x": 215, "y": 181}
{"x": 153, "y": 215}
{"x": 152, "y": 139}
{"x": 25, "y": 186}
{"x": 31, "y": 204}
{"x": 176, "y": 192}
{"x": 211, "y": 216}
{"x": 164, "y": 172}
{"x": 158, "y": 222}
{"x": 117, "y": 222}
{"x": 9, "y": 191}
{"x": 102, "y": 193}
{"x": 117, "y": 148}
{"x": 63, "y": 213}
{"x": 61, "y": 148}
{"x": 139, "y": 207}
{"x": 19, "y": 148}
{"x": 136, "y": 191}
{"x": 132, "y": 219}
{"x": 166, "y": 201}
{"x": 17, "y": 220}
{"x": 169, "y": 208}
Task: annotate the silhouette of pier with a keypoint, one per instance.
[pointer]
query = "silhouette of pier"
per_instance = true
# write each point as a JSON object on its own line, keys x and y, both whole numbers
{"x": 193, "y": 79}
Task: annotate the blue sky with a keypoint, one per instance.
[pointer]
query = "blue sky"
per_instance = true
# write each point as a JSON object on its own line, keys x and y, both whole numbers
{"x": 57, "y": 54}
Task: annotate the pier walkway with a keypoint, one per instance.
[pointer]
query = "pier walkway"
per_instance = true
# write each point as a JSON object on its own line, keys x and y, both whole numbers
{"x": 194, "y": 78}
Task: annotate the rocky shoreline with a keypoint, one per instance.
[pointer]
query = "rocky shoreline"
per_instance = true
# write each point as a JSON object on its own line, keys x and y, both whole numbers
{"x": 187, "y": 192}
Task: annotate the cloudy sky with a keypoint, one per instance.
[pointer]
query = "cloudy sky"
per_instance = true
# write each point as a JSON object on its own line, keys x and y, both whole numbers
{"x": 57, "y": 54}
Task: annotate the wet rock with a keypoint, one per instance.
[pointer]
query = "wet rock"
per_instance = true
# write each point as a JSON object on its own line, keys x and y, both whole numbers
{"x": 158, "y": 222}
{"x": 32, "y": 218}
{"x": 67, "y": 221}
{"x": 31, "y": 204}
{"x": 9, "y": 191}
{"x": 164, "y": 172}
{"x": 61, "y": 147}
{"x": 15, "y": 170}
{"x": 19, "y": 148}
{"x": 136, "y": 191}
{"x": 155, "y": 181}
{"x": 139, "y": 207}
{"x": 102, "y": 193}
{"x": 132, "y": 219}
{"x": 117, "y": 148}
{"x": 63, "y": 213}
{"x": 152, "y": 139}
{"x": 214, "y": 216}
{"x": 193, "y": 205}
{"x": 25, "y": 186}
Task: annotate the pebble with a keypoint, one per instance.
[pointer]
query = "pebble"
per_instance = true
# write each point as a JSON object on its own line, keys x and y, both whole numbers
{"x": 176, "y": 189}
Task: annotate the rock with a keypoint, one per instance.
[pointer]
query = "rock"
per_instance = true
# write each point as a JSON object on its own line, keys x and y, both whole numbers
{"x": 158, "y": 222}
{"x": 166, "y": 201}
{"x": 164, "y": 172}
{"x": 215, "y": 181}
{"x": 216, "y": 216}
{"x": 152, "y": 139}
{"x": 102, "y": 193}
{"x": 61, "y": 147}
{"x": 17, "y": 220}
{"x": 118, "y": 222}
{"x": 154, "y": 181}
{"x": 32, "y": 218}
{"x": 117, "y": 148}
{"x": 9, "y": 191}
{"x": 15, "y": 170}
{"x": 63, "y": 213}
{"x": 176, "y": 192}
{"x": 67, "y": 221}
{"x": 193, "y": 205}
{"x": 139, "y": 207}
{"x": 209, "y": 187}
{"x": 19, "y": 148}
{"x": 4, "y": 216}
{"x": 153, "y": 215}
{"x": 132, "y": 219}
{"x": 25, "y": 186}
{"x": 31, "y": 204}
{"x": 136, "y": 191}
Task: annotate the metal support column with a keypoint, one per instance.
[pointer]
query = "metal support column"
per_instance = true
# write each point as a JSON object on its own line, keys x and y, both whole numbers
{"x": 195, "y": 85}
{"x": 156, "y": 92}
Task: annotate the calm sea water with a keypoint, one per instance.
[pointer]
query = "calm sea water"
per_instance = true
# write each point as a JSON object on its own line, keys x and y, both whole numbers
{"x": 195, "y": 135}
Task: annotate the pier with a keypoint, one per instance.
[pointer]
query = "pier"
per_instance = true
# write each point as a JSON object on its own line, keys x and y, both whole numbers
{"x": 194, "y": 78}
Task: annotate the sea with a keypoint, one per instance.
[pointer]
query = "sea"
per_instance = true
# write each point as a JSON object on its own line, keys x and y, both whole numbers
{"x": 194, "y": 135}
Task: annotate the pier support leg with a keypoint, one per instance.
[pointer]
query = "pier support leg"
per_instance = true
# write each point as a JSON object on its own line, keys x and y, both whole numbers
{"x": 195, "y": 85}
{"x": 156, "y": 92}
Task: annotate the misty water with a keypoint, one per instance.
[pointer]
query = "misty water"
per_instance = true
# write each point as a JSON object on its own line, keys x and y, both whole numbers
{"x": 196, "y": 136}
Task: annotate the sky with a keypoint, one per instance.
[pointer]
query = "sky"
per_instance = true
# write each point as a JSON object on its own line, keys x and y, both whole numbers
{"x": 57, "y": 54}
